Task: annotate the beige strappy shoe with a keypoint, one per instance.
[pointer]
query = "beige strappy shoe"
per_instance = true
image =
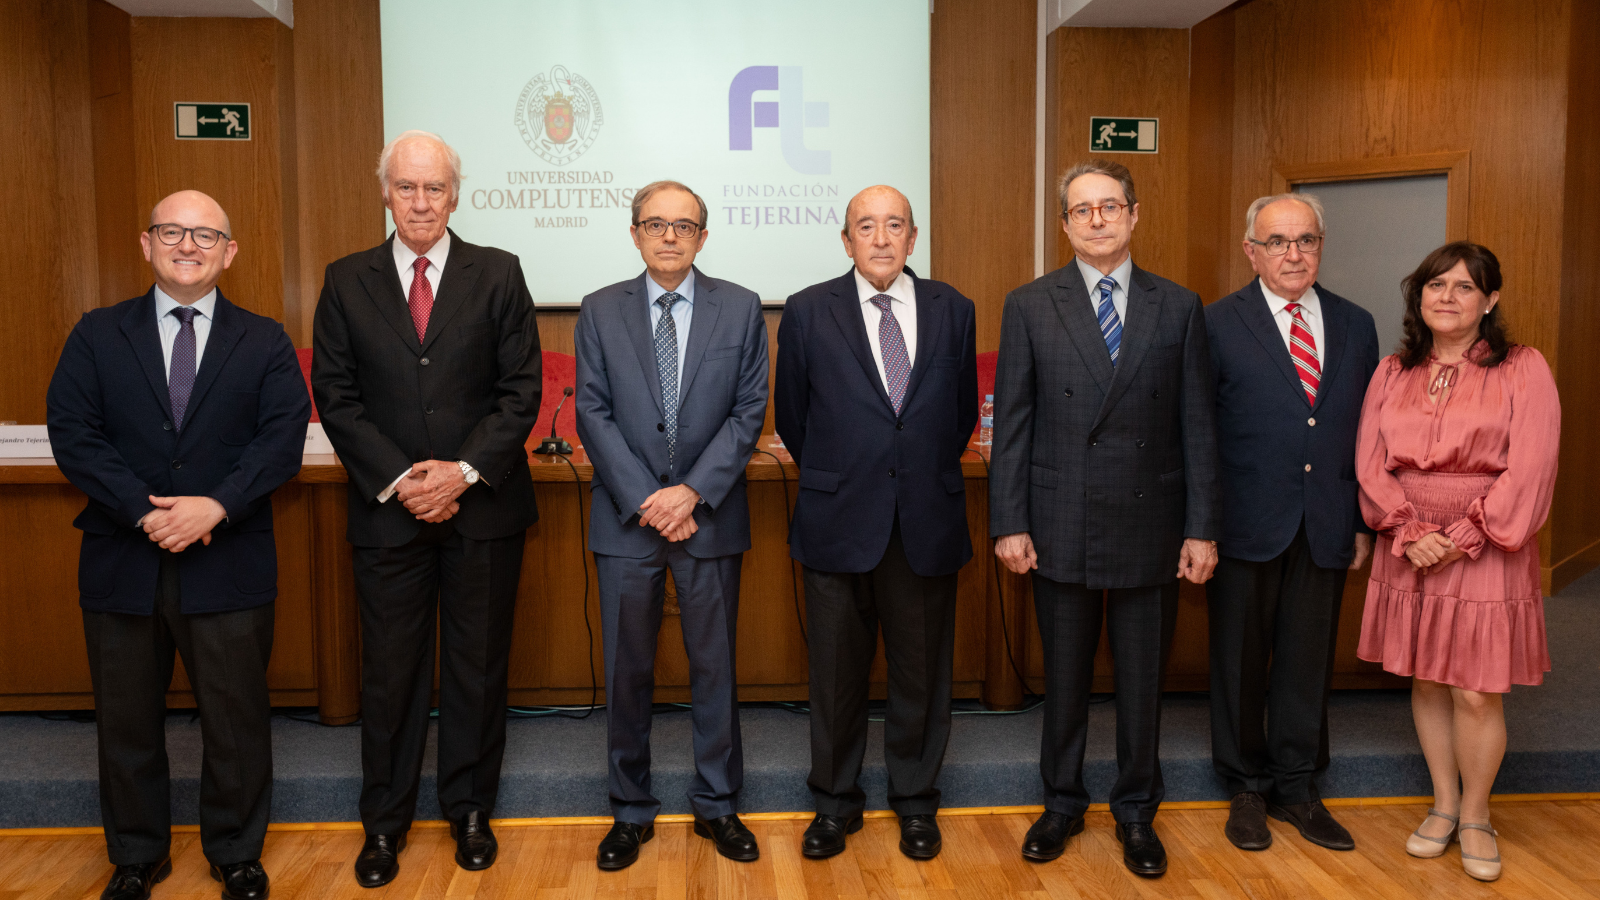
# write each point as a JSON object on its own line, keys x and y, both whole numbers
{"x": 1424, "y": 847}
{"x": 1483, "y": 868}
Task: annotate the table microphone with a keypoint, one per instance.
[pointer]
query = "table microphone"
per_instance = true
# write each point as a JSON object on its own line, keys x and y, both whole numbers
{"x": 553, "y": 444}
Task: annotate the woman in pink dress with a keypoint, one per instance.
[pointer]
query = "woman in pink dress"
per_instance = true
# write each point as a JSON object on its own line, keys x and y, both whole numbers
{"x": 1456, "y": 456}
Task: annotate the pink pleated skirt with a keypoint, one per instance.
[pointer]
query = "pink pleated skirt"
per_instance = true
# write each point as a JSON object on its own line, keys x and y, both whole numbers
{"x": 1476, "y": 625}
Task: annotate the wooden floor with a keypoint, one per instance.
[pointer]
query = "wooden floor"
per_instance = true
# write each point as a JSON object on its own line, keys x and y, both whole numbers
{"x": 1551, "y": 849}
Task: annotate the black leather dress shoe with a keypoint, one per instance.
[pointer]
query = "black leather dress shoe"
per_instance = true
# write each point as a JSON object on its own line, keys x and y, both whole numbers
{"x": 1142, "y": 852}
{"x": 475, "y": 844}
{"x": 243, "y": 880}
{"x": 733, "y": 840}
{"x": 133, "y": 882}
{"x": 1047, "y": 839}
{"x": 379, "y": 861}
{"x": 1314, "y": 823}
{"x": 824, "y": 837}
{"x": 620, "y": 847}
{"x": 1247, "y": 822}
{"x": 919, "y": 837}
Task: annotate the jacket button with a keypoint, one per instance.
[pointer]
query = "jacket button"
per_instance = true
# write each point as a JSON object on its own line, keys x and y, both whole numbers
{"x": 429, "y": 410}
{"x": 663, "y": 479}
{"x": 166, "y": 426}
{"x": 1312, "y": 422}
{"x": 1094, "y": 442}
{"x": 177, "y": 464}
{"x": 891, "y": 473}
{"x": 1069, "y": 392}
{"x": 1139, "y": 494}
{"x": 661, "y": 426}
{"x": 1156, "y": 395}
{"x": 1138, "y": 443}
{"x": 424, "y": 360}
{"x": 899, "y": 426}
{"x": 1308, "y": 467}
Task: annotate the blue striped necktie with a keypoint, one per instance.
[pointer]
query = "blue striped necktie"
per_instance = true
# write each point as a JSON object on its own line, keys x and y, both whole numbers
{"x": 1110, "y": 324}
{"x": 180, "y": 377}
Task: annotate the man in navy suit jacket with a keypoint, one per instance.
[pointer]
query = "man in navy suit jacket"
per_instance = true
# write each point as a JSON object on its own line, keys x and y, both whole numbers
{"x": 179, "y": 413}
{"x": 672, "y": 392}
{"x": 876, "y": 399}
{"x": 1292, "y": 362}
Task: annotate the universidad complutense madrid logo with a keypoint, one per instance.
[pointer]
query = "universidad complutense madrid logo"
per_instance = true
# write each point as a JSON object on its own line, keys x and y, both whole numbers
{"x": 559, "y": 115}
{"x": 791, "y": 114}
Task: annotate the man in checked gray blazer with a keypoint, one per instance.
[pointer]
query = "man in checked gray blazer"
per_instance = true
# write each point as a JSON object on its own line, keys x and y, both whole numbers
{"x": 672, "y": 391}
{"x": 1103, "y": 483}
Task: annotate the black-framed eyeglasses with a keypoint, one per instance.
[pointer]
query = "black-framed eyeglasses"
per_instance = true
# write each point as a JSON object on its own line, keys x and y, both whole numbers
{"x": 1109, "y": 212}
{"x": 655, "y": 228}
{"x": 1277, "y": 246}
{"x": 172, "y": 235}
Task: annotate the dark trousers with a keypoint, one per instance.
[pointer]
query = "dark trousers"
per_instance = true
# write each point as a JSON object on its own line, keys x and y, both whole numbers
{"x": 1141, "y": 622}
{"x": 843, "y": 615}
{"x": 632, "y": 593}
{"x": 130, "y": 662}
{"x": 1273, "y": 629}
{"x": 470, "y": 588}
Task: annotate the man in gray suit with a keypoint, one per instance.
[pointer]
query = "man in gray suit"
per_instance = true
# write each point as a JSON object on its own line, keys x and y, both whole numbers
{"x": 672, "y": 391}
{"x": 1103, "y": 483}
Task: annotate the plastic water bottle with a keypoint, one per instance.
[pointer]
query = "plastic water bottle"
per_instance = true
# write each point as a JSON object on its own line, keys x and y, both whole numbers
{"x": 986, "y": 421}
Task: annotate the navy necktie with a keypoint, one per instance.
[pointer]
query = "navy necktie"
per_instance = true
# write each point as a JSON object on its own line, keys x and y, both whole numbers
{"x": 1110, "y": 324}
{"x": 667, "y": 365}
{"x": 180, "y": 378}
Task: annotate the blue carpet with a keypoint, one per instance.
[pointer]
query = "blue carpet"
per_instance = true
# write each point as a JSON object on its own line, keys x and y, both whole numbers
{"x": 556, "y": 767}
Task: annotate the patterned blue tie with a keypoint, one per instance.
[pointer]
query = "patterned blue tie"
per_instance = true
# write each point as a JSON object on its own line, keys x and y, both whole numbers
{"x": 180, "y": 378}
{"x": 667, "y": 365}
{"x": 1110, "y": 324}
{"x": 892, "y": 342}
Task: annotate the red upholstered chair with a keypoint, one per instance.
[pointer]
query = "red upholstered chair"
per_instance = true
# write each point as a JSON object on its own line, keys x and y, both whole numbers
{"x": 986, "y": 364}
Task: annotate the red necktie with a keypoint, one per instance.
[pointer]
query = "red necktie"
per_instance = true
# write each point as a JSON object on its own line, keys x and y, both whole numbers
{"x": 421, "y": 297}
{"x": 1303, "y": 349}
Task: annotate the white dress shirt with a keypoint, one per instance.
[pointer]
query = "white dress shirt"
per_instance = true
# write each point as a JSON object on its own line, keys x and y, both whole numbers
{"x": 682, "y": 314}
{"x": 168, "y": 326}
{"x": 903, "y": 303}
{"x": 1310, "y": 312}
{"x": 1119, "y": 295}
{"x": 404, "y": 259}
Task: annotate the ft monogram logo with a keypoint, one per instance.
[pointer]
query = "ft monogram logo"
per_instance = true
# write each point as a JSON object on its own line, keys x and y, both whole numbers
{"x": 791, "y": 115}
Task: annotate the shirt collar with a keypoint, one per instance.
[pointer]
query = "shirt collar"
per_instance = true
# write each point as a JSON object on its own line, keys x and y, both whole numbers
{"x": 205, "y": 306}
{"x": 653, "y": 291}
{"x": 900, "y": 289}
{"x": 1122, "y": 274}
{"x": 405, "y": 257}
{"x": 1308, "y": 300}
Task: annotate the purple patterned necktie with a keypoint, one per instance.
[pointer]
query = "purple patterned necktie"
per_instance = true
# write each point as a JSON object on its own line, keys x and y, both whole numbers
{"x": 896, "y": 362}
{"x": 180, "y": 378}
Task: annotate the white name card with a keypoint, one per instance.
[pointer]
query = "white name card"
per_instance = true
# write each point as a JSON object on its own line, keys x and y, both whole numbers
{"x": 24, "y": 441}
{"x": 317, "y": 439}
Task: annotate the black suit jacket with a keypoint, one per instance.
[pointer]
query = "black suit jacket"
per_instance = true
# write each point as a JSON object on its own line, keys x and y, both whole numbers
{"x": 859, "y": 463}
{"x": 1268, "y": 433}
{"x": 468, "y": 391}
{"x": 112, "y": 434}
{"x": 1108, "y": 469}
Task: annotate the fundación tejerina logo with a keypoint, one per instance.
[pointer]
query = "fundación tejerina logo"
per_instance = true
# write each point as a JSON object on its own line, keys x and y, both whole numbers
{"x": 792, "y": 114}
{"x": 559, "y": 116}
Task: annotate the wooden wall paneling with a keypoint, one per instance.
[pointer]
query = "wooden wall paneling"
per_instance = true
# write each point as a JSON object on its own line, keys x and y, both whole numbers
{"x": 1053, "y": 155}
{"x": 44, "y": 662}
{"x": 551, "y": 646}
{"x": 338, "y": 89}
{"x": 1131, "y": 72}
{"x": 982, "y": 133}
{"x": 772, "y": 651}
{"x": 284, "y": 133}
{"x": 1214, "y": 224}
{"x": 46, "y": 140}
{"x": 177, "y": 59}
{"x": 337, "y": 614}
{"x": 118, "y": 220}
{"x": 1575, "y": 526}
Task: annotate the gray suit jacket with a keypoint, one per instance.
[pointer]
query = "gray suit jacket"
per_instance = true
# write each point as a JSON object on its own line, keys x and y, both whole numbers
{"x": 1108, "y": 469}
{"x": 722, "y": 404}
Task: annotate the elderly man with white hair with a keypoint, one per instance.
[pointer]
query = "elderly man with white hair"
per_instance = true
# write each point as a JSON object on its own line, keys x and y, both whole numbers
{"x": 426, "y": 372}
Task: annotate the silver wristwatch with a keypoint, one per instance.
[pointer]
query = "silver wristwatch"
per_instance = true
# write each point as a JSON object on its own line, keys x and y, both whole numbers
{"x": 468, "y": 472}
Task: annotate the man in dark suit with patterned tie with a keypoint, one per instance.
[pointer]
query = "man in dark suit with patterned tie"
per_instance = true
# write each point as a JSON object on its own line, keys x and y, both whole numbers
{"x": 877, "y": 396}
{"x": 426, "y": 371}
{"x": 178, "y": 414}
{"x": 672, "y": 392}
{"x": 1292, "y": 361}
{"x": 1104, "y": 485}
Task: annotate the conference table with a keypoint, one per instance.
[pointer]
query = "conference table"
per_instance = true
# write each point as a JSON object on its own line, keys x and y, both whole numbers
{"x": 556, "y": 648}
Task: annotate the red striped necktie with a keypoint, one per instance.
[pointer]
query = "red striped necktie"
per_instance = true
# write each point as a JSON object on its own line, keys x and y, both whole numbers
{"x": 1303, "y": 350}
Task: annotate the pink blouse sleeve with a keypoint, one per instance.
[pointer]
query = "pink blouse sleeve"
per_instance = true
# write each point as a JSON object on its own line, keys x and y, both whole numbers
{"x": 1383, "y": 502}
{"x": 1519, "y": 500}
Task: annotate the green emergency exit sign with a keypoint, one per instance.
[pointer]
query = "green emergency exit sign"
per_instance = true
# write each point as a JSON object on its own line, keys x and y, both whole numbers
{"x": 1129, "y": 135}
{"x": 211, "y": 121}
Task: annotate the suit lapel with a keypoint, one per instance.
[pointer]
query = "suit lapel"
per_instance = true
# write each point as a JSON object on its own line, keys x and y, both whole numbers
{"x": 140, "y": 327}
{"x": 847, "y": 313}
{"x": 636, "y": 319}
{"x": 382, "y": 282}
{"x": 930, "y": 321}
{"x": 226, "y": 329}
{"x": 1257, "y": 317}
{"x": 1144, "y": 309}
{"x": 1334, "y": 314}
{"x": 702, "y": 322}
{"x": 455, "y": 283}
{"x": 1077, "y": 317}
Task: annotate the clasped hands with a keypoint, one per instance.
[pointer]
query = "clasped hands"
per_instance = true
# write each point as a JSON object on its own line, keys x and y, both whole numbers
{"x": 430, "y": 489}
{"x": 1432, "y": 552}
{"x": 1196, "y": 560}
{"x": 177, "y": 522}
{"x": 671, "y": 512}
